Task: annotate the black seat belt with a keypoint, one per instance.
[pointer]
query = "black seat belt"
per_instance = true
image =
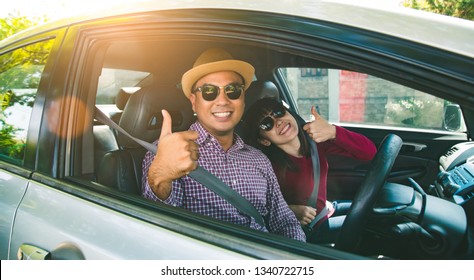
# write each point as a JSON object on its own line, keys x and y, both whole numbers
{"x": 313, "y": 198}
{"x": 315, "y": 160}
{"x": 201, "y": 175}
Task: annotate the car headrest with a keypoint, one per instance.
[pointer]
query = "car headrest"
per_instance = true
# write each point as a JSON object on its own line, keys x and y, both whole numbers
{"x": 259, "y": 90}
{"x": 121, "y": 99}
{"x": 142, "y": 116}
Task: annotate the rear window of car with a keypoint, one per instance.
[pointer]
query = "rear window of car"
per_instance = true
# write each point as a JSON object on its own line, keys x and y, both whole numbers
{"x": 111, "y": 82}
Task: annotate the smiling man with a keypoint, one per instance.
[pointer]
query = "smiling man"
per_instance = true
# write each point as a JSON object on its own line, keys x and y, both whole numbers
{"x": 216, "y": 88}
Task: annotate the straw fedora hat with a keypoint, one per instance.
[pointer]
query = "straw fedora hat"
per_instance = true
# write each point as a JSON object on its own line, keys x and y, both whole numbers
{"x": 215, "y": 60}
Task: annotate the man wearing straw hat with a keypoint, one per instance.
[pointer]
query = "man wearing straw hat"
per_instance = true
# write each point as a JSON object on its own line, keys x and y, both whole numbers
{"x": 216, "y": 88}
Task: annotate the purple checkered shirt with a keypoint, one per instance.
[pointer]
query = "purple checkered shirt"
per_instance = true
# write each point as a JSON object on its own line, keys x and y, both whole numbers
{"x": 243, "y": 168}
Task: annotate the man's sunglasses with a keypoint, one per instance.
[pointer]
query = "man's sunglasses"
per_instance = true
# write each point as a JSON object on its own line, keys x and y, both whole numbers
{"x": 210, "y": 92}
{"x": 268, "y": 122}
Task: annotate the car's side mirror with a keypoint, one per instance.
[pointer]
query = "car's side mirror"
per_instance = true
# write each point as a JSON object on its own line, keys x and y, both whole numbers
{"x": 452, "y": 117}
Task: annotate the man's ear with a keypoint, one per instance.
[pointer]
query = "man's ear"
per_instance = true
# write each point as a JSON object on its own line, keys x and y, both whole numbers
{"x": 192, "y": 98}
{"x": 264, "y": 142}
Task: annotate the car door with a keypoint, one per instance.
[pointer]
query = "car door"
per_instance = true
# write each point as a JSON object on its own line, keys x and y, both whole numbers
{"x": 12, "y": 189}
{"x": 66, "y": 226}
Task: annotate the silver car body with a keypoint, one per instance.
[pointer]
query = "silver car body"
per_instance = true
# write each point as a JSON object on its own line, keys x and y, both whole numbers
{"x": 49, "y": 214}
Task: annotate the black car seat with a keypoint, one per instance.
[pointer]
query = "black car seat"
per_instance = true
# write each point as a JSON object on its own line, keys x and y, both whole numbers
{"x": 120, "y": 101}
{"x": 104, "y": 142}
{"x": 105, "y": 137}
{"x": 259, "y": 90}
{"x": 141, "y": 117}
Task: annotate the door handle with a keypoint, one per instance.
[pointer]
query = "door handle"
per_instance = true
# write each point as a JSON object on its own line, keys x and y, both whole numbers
{"x": 413, "y": 147}
{"x": 64, "y": 251}
{"x": 28, "y": 252}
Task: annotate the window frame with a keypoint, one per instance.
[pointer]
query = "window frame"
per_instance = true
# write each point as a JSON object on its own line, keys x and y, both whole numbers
{"x": 332, "y": 118}
{"x": 34, "y": 125}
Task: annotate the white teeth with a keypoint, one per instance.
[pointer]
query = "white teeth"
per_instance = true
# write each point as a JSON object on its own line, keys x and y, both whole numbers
{"x": 222, "y": 115}
{"x": 287, "y": 126}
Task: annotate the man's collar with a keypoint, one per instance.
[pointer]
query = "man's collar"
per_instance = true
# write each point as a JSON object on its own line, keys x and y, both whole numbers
{"x": 205, "y": 136}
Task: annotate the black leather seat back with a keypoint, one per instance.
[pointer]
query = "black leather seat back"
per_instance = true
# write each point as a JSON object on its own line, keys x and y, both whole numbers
{"x": 259, "y": 90}
{"x": 120, "y": 101}
{"x": 142, "y": 118}
{"x": 105, "y": 137}
{"x": 104, "y": 142}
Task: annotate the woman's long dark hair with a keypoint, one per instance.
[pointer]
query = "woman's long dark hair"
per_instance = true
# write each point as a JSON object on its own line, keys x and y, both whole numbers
{"x": 255, "y": 114}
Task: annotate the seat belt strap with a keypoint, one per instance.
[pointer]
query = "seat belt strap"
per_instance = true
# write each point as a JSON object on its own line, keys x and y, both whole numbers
{"x": 230, "y": 195}
{"x": 313, "y": 198}
{"x": 101, "y": 117}
{"x": 200, "y": 175}
{"x": 315, "y": 160}
{"x": 324, "y": 212}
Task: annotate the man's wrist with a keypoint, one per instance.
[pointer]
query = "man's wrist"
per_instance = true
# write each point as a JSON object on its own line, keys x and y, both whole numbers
{"x": 160, "y": 187}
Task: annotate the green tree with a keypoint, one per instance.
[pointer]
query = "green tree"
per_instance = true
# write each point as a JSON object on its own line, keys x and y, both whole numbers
{"x": 15, "y": 23}
{"x": 20, "y": 74}
{"x": 9, "y": 146}
{"x": 455, "y": 8}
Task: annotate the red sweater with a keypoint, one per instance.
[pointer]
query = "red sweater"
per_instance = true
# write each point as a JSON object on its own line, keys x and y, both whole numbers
{"x": 297, "y": 186}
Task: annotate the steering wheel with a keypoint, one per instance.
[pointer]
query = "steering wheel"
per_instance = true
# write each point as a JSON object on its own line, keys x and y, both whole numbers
{"x": 366, "y": 196}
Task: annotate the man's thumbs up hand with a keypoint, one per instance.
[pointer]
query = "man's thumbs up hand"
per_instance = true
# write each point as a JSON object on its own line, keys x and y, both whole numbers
{"x": 177, "y": 155}
{"x": 166, "y": 125}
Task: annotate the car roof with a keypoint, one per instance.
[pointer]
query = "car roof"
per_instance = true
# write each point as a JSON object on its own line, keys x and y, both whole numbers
{"x": 444, "y": 32}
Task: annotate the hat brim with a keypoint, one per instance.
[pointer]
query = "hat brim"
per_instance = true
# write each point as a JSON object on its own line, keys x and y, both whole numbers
{"x": 241, "y": 67}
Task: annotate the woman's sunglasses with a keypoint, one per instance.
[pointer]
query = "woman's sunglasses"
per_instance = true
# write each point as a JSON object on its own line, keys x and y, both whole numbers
{"x": 268, "y": 122}
{"x": 210, "y": 92}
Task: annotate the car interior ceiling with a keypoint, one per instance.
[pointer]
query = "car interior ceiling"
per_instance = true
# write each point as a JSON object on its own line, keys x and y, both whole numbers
{"x": 172, "y": 58}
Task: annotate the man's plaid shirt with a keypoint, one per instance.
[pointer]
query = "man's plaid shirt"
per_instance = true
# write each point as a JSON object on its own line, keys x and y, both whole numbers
{"x": 245, "y": 169}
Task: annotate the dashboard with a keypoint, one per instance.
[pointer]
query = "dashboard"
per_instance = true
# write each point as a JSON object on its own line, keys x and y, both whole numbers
{"x": 455, "y": 180}
{"x": 456, "y": 155}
